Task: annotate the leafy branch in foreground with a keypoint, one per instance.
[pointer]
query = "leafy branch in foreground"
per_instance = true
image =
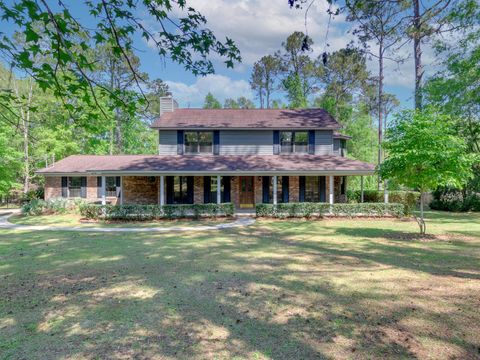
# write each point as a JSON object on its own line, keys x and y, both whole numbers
{"x": 63, "y": 43}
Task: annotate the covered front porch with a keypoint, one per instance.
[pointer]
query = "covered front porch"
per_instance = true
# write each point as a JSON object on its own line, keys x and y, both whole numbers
{"x": 244, "y": 191}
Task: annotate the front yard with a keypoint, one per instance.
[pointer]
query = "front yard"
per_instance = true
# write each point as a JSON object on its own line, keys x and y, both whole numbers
{"x": 277, "y": 289}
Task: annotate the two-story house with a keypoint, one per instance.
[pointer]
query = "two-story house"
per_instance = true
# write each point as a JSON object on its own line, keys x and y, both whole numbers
{"x": 244, "y": 156}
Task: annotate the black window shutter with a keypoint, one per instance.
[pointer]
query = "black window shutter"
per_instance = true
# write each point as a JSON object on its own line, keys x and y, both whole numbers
{"x": 118, "y": 184}
{"x": 99, "y": 186}
{"x": 64, "y": 186}
{"x": 179, "y": 142}
{"x": 169, "y": 186}
{"x": 189, "y": 189}
{"x": 206, "y": 189}
{"x": 276, "y": 142}
{"x": 226, "y": 189}
{"x": 344, "y": 185}
{"x": 311, "y": 142}
{"x": 301, "y": 191}
{"x": 285, "y": 193}
{"x": 83, "y": 188}
{"x": 265, "y": 189}
{"x": 216, "y": 142}
{"x": 322, "y": 182}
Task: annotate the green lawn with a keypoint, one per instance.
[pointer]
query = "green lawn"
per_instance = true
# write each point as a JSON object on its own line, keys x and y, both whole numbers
{"x": 275, "y": 290}
{"x": 68, "y": 220}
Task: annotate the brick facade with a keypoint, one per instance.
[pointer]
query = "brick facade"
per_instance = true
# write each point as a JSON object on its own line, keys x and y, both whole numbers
{"x": 198, "y": 190}
{"x": 145, "y": 190}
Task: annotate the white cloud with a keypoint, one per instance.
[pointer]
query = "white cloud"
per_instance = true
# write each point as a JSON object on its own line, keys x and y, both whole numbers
{"x": 220, "y": 86}
{"x": 258, "y": 27}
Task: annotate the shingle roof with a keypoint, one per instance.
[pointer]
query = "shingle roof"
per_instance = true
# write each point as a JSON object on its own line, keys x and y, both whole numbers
{"x": 338, "y": 135}
{"x": 246, "y": 118}
{"x": 206, "y": 164}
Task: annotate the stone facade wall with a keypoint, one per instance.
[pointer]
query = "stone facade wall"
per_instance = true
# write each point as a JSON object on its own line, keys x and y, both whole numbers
{"x": 142, "y": 190}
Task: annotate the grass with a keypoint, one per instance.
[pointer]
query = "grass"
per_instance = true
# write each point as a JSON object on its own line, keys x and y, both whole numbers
{"x": 275, "y": 290}
{"x": 74, "y": 220}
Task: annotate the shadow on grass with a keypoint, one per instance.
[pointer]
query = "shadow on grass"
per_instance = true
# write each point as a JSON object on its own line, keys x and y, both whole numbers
{"x": 239, "y": 293}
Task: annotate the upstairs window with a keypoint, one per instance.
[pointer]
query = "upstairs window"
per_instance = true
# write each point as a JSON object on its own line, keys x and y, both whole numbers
{"x": 198, "y": 142}
{"x": 293, "y": 142}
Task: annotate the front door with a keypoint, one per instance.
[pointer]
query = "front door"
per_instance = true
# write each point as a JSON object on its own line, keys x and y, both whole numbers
{"x": 247, "y": 198}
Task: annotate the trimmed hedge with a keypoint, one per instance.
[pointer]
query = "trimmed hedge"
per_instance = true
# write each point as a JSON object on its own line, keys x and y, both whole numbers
{"x": 409, "y": 199}
{"x": 307, "y": 210}
{"x": 154, "y": 212}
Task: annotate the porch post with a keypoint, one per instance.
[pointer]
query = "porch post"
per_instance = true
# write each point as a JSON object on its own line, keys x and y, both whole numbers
{"x": 102, "y": 191}
{"x": 361, "y": 188}
{"x": 121, "y": 190}
{"x": 275, "y": 200}
{"x": 219, "y": 190}
{"x": 385, "y": 192}
{"x": 162, "y": 190}
{"x": 330, "y": 189}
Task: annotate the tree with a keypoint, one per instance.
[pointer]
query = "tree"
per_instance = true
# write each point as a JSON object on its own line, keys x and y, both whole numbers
{"x": 380, "y": 22}
{"x": 344, "y": 76}
{"x": 245, "y": 103}
{"x": 262, "y": 79}
{"x": 230, "y": 104}
{"x": 424, "y": 152}
{"x": 52, "y": 32}
{"x": 299, "y": 70}
{"x": 211, "y": 102}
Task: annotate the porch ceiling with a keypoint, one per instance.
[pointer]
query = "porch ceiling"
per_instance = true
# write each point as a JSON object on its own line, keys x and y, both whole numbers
{"x": 209, "y": 164}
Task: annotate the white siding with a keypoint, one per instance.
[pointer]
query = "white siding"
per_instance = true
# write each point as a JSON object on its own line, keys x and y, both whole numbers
{"x": 167, "y": 142}
{"x": 323, "y": 142}
{"x": 246, "y": 142}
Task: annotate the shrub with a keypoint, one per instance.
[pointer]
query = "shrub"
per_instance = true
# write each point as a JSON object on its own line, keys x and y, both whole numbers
{"x": 37, "y": 207}
{"x": 409, "y": 199}
{"x": 32, "y": 195}
{"x": 449, "y": 199}
{"x": 153, "y": 212}
{"x": 320, "y": 209}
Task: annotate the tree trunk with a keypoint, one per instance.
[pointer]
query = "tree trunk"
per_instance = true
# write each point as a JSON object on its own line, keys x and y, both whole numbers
{"x": 417, "y": 50}
{"x": 380, "y": 104}
{"x": 423, "y": 227}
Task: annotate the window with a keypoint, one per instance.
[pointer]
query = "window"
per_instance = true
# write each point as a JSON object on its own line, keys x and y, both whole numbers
{"x": 213, "y": 189}
{"x": 74, "y": 187}
{"x": 110, "y": 186}
{"x": 293, "y": 142}
{"x": 198, "y": 142}
{"x": 280, "y": 194}
{"x": 180, "y": 190}
{"x": 312, "y": 188}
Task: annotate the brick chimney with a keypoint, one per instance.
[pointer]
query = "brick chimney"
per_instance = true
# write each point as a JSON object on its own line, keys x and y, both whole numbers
{"x": 167, "y": 104}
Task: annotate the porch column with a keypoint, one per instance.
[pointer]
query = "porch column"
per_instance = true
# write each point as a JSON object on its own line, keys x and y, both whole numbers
{"x": 331, "y": 190}
{"x": 102, "y": 191}
{"x": 385, "y": 192}
{"x": 361, "y": 188}
{"x": 121, "y": 190}
{"x": 219, "y": 190}
{"x": 275, "y": 200}
{"x": 161, "y": 194}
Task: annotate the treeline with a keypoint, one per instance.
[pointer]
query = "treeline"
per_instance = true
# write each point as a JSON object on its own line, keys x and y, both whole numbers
{"x": 39, "y": 129}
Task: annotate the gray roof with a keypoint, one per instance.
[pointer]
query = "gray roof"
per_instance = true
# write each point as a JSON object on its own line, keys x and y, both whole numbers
{"x": 203, "y": 164}
{"x": 246, "y": 119}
